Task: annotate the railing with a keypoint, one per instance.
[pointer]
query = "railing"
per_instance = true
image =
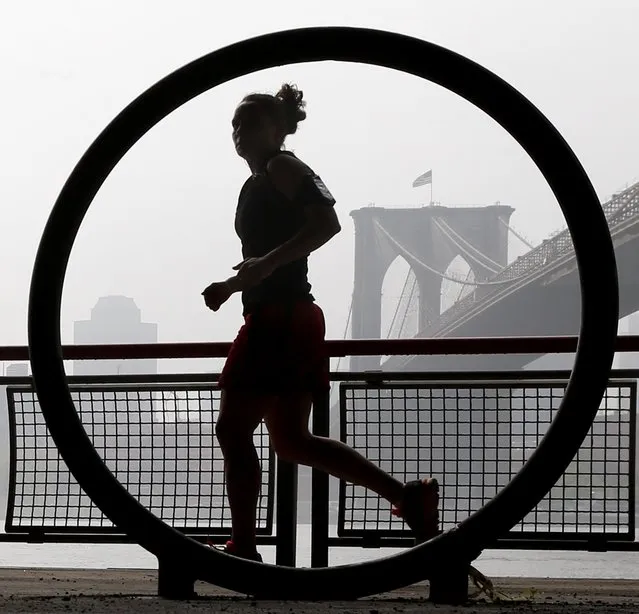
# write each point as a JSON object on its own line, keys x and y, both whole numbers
{"x": 620, "y": 208}
{"x": 157, "y": 439}
{"x": 473, "y": 431}
{"x": 156, "y": 435}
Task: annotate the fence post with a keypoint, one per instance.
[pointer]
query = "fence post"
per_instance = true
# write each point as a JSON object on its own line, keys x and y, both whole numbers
{"x": 319, "y": 485}
{"x": 286, "y": 514}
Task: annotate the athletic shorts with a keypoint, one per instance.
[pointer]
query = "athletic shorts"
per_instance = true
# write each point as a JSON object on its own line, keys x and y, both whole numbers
{"x": 279, "y": 349}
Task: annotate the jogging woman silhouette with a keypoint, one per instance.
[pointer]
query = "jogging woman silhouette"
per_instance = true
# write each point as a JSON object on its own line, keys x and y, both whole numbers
{"x": 277, "y": 361}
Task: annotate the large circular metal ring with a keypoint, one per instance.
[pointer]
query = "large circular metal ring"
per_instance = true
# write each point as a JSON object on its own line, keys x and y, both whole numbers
{"x": 597, "y": 274}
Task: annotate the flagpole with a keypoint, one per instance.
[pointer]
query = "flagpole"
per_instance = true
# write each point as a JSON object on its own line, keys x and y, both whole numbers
{"x": 427, "y": 177}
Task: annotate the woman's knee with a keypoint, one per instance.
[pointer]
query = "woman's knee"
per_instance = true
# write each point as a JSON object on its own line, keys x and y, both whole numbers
{"x": 238, "y": 419}
{"x": 292, "y": 446}
{"x": 231, "y": 432}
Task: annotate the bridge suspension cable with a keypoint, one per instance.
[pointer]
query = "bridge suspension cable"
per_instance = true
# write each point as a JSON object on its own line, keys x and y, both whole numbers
{"x": 345, "y": 335}
{"x": 399, "y": 303}
{"x": 414, "y": 296}
{"x": 461, "y": 290}
{"x": 463, "y": 245}
{"x": 339, "y": 359}
{"x": 409, "y": 256}
{"x": 524, "y": 241}
{"x": 406, "y": 305}
{"x": 413, "y": 308}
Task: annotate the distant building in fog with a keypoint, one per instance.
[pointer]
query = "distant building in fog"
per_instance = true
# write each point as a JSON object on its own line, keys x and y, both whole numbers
{"x": 114, "y": 319}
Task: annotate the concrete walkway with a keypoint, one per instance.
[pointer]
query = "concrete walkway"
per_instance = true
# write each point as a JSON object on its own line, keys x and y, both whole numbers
{"x": 122, "y": 590}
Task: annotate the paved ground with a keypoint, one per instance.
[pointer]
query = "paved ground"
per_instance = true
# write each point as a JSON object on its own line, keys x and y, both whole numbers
{"x": 99, "y": 591}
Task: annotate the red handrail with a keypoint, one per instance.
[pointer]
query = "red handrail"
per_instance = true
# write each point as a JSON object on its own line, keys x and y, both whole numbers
{"x": 350, "y": 347}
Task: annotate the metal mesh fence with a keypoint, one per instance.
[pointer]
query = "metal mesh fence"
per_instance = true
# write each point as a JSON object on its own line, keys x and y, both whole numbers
{"x": 474, "y": 437}
{"x": 158, "y": 441}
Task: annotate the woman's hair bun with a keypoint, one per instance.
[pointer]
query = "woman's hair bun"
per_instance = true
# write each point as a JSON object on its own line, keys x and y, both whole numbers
{"x": 293, "y": 105}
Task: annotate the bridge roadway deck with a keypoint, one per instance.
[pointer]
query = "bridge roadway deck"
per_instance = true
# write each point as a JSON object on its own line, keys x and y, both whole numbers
{"x": 547, "y": 303}
{"x": 130, "y": 590}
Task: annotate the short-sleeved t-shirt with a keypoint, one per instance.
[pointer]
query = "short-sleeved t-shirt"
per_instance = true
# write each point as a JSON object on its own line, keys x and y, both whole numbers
{"x": 265, "y": 219}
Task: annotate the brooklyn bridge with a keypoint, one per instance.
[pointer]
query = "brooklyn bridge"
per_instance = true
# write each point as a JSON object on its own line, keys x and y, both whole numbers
{"x": 536, "y": 294}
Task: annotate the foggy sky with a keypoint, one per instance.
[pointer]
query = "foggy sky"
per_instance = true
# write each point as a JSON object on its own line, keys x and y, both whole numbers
{"x": 161, "y": 227}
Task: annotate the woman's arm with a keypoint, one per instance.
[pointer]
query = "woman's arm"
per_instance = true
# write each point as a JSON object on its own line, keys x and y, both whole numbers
{"x": 303, "y": 189}
{"x": 321, "y": 226}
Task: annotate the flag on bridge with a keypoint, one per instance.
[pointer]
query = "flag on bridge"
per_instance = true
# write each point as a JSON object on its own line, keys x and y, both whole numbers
{"x": 424, "y": 179}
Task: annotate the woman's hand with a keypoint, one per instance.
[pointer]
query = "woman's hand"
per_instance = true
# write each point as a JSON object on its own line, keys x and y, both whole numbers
{"x": 252, "y": 271}
{"x": 217, "y": 294}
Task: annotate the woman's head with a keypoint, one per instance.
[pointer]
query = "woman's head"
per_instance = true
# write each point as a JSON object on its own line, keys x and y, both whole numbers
{"x": 262, "y": 121}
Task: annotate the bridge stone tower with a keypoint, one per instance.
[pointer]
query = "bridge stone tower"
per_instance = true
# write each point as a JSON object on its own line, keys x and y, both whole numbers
{"x": 419, "y": 234}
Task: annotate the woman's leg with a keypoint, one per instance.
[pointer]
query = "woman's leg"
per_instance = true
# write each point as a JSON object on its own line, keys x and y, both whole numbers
{"x": 287, "y": 423}
{"x": 304, "y": 364}
{"x": 240, "y": 414}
